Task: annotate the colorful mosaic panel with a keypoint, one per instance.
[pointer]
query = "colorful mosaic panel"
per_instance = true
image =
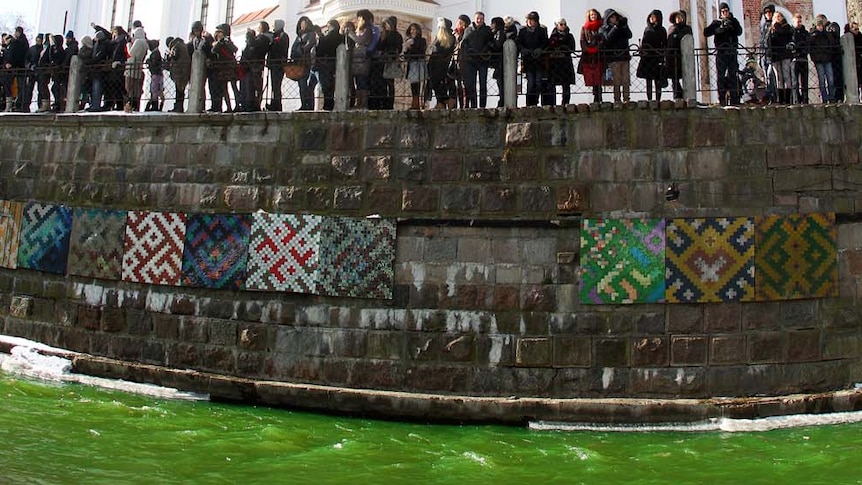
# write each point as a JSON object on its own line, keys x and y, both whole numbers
{"x": 11, "y": 216}
{"x": 216, "y": 250}
{"x": 283, "y": 253}
{"x": 96, "y": 248}
{"x": 622, "y": 261}
{"x": 153, "y": 247}
{"x": 710, "y": 260}
{"x": 357, "y": 258}
{"x": 796, "y": 257}
{"x": 44, "y": 242}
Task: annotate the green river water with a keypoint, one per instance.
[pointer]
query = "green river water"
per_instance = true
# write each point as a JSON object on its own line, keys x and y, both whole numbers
{"x": 54, "y": 433}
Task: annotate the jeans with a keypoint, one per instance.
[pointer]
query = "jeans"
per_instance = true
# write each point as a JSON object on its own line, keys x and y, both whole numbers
{"x": 800, "y": 80}
{"x": 728, "y": 84}
{"x": 306, "y": 92}
{"x": 276, "y": 76}
{"x": 826, "y": 81}
{"x": 473, "y": 69}
{"x": 535, "y": 84}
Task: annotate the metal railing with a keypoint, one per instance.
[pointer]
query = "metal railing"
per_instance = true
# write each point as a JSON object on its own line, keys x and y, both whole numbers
{"x": 494, "y": 80}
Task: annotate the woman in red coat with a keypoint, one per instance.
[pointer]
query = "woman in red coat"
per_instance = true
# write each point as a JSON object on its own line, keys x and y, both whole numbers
{"x": 592, "y": 66}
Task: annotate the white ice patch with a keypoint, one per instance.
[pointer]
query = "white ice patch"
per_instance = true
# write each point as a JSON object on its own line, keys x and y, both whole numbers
{"x": 24, "y": 360}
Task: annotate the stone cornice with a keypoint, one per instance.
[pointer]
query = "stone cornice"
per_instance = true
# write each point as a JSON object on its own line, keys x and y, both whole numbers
{"x": 337, "y": 8}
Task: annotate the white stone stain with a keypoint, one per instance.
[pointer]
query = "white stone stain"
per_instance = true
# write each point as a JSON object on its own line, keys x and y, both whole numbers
{"x": 463, "y": 322}
{"x": 157, "y": 302}
{"x": 607, "y": 377}
{"x": 417, "y": 270}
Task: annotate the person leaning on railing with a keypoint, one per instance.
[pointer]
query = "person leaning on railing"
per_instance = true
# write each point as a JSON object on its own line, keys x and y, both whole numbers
{"x": 652, "y": 50}
{"x": 134, "y": 73}
{"x": 31, "y": 64}
{"x": 324, "y": 62}
{"x": 780, "y": 40}
{"x": 592, "y": 65}
{"x": 561, "y": 70}
{"x": 799, "y": 49}
{"x": 439, "y": 61}
{"x": 413, "y": 49}
{"x": 615, "y": 49}
{"x": 178, "y": 62}
{"x": 85, "y": 57}
{"x": 14, "y": 57}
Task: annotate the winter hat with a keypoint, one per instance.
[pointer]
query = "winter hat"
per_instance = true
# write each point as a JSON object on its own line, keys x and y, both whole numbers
{"x": 278, "y": 24}
{"x": 70, "y": 35}
{"x": 464, "y": 18}
{"x": 769, "y": 8}
{"x": 86, "y": 41}
{"x": 533, "y": 16}
{"x": 137, "y": 23}
{"x": 444, "y": 23}
{"x": 560, "y": 21}
{"x": 333, "y": 24}
{"x": 101, "y": 35}
{"x": 197, "y": 25}
{"x": 40, "y": 36}
{"x": 722, "y": 6}
{"x": 224, "y": 29}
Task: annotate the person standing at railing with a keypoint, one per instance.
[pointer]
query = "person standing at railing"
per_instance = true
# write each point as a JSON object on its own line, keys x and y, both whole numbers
{"x": 390, "y": 47}
{"x": 85, "y": 56}
{"x": 57, "y": 56}
{"x": 853, "y": 29}
{"x": 475, "y": 48}
{"x": 591, "y": 65}
{"x": 179, "y": 64}
{"x": 157, "y": 79}
{"x": 302, "y": 51}
{"x": 361, "y": 35}
{"x": 31, "y": 64}
{"x": 779, "y": 41}
{"x": 275, "y": 60}
{"x": 653, "y": 47}
{"x": 799, "y": 50}
{"x": 726, "y": 30}
{"x": 533, "y": 42}
{"x": 615, "y": 48}
{"x": 837, "y": 58}
{"x": 327, "y": 48}
{"x": 765, "y": 61}
{"x": 413, "y": 50}
{"x": 495, "y": 54}
{"x": 439, "y": 61}
{"x": 223, "y": 69}
{"x": 13, "y": 63}
{"x": 821, "y": 56}
{"x": 561, "y": 70}
{"x": 134, "y": 73}
{"x": 678, "y": 29}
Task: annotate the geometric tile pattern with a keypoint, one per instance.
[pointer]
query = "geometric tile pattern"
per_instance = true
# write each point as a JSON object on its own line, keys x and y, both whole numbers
{"x": 216, "y": 250}
{"x": 44, "y": 242}
{"x": 710, "y": 260}
{"x": 96, "y": 248}
{"x": 622, "y": 261}
{"x": 357, "y": 257}
{"x": 283, "y": 252}
{"x": 796, "y": 257}
{"x": 11, "y": 215}
{"x": 153, "y": 247}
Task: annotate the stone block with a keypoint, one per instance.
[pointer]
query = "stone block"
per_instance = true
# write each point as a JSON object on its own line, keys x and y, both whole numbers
{"x": 534, "y": 352}
{"x": 540, "y": 199}
{"x": 727, "y": 350}
{"x": 688, "y": 351}
{"x": 539, "y": 298}
{"x": 519, "y": 134}
{"x": 507, "y": 298}
{"x": 484, "y": 134}
{"x": 22, "y": 307}
{"x": 348, "y": 198}
{"x": 446, "y": 167}
{"x": 460, "y": 199}
{"x": 841, "y": 345}
{"x": 345, "y": 167}
{"x": 723, "y": 317}
{"x": 311, "y": 137}
{"x": 765, "y": 347}
{"x": 89, "y": 317}
{"x": 521, "y": 167}
{"x": 414, "y": 136}
{"x": 650, "y": 352}
{"x": 617, "y": 132}
{"x": 473, "y": 249}
{"x": 784, "y": 156}
{"x": 420, "y": 199}
{"x": 554, "y": 134}
{"x": 499, "y": 199}
{"x": 573, "y": 198}
{"x": 484, "y": 168}
{"x": 571, "y": 351}
{"x": 449, "y": 136}
{"x": 560, "y": 167}
{"x": 385, "y": 200}
{"x": 223, "y": 332}
{"x": 803, "y": 346}
{"x": 166, "y": 326}
{"x": 386, "y": 345}
{"x": 674, "y": 132}
{"x": 376, "y": 167}
{"x": 675, "y": 383}
{"x": 802, "y": 179}
{"x": 708, "y": 133}
{"x": 381, "y": 135}
{"x": 650, "y": 323}
{"x": 760, "y": 316}
{"x": 194, "y": 329}
{"x": 441, "y": 249}
{"x": 799, "y": 313}
{"x": 611, "y": 352}
{"x": 685, "y": 319}
{"x": 608, "y": 197}
{"x": 346, "y": 137}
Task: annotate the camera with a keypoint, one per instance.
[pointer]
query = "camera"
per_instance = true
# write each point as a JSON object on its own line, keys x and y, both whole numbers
{"x": 791, "y": 46}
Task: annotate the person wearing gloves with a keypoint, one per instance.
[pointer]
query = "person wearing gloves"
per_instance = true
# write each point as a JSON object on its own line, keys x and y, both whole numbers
{"x": 726, "y": 31}
{"x": 615, "y": 35}
{"x": 532, "y": 42}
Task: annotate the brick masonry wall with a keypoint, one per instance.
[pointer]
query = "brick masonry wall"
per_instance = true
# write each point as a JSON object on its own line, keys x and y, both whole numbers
{"x": 486, "y": 295}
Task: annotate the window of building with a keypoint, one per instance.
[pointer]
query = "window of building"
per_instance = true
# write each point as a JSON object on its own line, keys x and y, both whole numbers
{"x": 131, "y": 13}
{"x": 228, "y": 15}
{"x": 205, "y": 11}
{"x": 113, "y": 14}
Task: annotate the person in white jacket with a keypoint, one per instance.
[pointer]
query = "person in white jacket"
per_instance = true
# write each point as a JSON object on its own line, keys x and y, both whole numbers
{"x": 134, "y": 72}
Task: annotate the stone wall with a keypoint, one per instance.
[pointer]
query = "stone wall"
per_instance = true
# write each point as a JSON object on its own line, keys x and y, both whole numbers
{"x": 489, "y": 206}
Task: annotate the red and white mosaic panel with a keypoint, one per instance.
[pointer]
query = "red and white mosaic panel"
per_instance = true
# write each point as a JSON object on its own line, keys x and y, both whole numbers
{"x": 153, "y": 247}
{"x": 283, "y": 253}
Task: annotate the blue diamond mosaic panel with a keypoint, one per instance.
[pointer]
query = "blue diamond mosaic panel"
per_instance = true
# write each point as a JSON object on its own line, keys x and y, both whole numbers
{"x": 710, "y": 260}
{"x": 283, "y": 253}
{"x": 622, "y": 261}
{"x": 45, "y": 232}
{"x": 216, "y": 250}
{"x": 11, "y": 215}
{"x": 96, "y": 247}
{"x": 357, "y": 258}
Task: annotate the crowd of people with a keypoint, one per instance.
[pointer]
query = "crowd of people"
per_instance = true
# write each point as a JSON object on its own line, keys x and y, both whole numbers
{"x": 450, "y": 67}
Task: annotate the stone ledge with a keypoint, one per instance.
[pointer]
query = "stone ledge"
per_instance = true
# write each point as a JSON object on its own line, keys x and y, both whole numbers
{"x": 459, "y": 408}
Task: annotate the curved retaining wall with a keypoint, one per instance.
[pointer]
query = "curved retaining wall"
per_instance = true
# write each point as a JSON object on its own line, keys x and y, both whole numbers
{"x": 485, "y": 305}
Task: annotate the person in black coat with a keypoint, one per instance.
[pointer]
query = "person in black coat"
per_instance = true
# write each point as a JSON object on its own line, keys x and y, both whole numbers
{"x": 678, "y": 29}
{"x": 799, "y": 50}
{"x": 275, "y": 60}
{"x": 324, "y": 62}
{"x": 561, "y": 70}
{"x": 532, "y": 42}
{"x": 31, "y": 63}
{"x": 778, "y": 39}
{"x": 652, "y": 54}
{"x": 475, "y": 49}
{"x": 615, "y": 34}
{"x": 14, "y": 60}
{"x": 726, "y": 31}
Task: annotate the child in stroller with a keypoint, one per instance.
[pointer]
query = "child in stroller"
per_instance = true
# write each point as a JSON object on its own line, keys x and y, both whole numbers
{"x": 751, "y": 82}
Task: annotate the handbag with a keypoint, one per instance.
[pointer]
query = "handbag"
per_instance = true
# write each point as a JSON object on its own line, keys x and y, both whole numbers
{"x": 295, "y": 70}
{"x": 417, "y": 71}
{"x": 393, "y": 70}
